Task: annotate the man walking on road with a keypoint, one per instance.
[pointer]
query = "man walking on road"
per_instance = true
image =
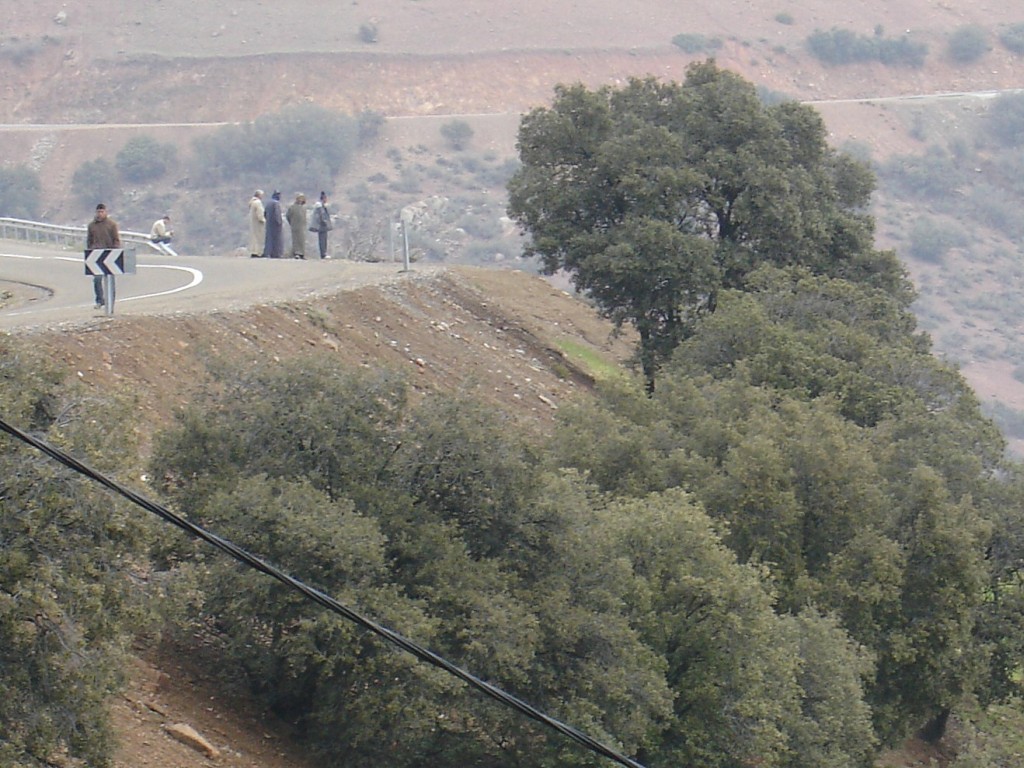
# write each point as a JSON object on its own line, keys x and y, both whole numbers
{"x": 101, "y": 233}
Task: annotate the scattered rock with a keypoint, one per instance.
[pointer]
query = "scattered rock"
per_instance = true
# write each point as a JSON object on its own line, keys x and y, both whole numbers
{"x": 188, "y": 736}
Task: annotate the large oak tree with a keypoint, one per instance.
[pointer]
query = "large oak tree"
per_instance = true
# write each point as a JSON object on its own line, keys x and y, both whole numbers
{"x": 656, "y": 196}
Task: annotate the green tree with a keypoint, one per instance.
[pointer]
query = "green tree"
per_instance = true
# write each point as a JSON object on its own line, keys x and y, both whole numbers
{"x": 750, "y": 686}
{"x": 457, "y": 133}
{"x": 968, "y": 43}
{"x": 95, "y": 181}
{"x": 992, "y": 737}
{"x": 1013, "y": 37}
{"x": 434, "y": 521}
{"x": 67, "y": 600}
{"x": 21, "y": 192}
{"x": 929, "y": 661}
{"x": 655, "y": 197}
{"x": 143, "y": 158}
{"x": 310, "y": 419}
{"x": 810, "y": 417}
{"x": 1006, "y": 119}
{"x": 307, "y": 136}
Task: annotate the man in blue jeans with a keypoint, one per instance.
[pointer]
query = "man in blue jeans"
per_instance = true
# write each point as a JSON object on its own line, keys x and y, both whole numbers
{"x": 101, "y": 233}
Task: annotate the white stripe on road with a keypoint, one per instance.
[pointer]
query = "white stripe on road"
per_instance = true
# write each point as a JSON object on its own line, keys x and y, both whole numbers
{"x": 197, "y": 277}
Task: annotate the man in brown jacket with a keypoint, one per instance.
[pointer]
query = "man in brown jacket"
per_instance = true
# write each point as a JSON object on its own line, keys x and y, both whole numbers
{"x": 101, "y": 233}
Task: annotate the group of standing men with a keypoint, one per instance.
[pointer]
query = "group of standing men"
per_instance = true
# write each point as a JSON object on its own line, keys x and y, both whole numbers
{"x": 266, "y": 226}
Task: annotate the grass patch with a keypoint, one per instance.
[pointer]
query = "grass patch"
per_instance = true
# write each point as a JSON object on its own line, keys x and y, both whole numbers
{"x": 591, "y": 361}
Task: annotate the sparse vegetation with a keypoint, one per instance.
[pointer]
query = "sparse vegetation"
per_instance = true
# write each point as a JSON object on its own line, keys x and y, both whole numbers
{"x": 368, "y": 32}
{"x": 691, "y": 42}
{"x": 1006, "y": 119}
{"x": 95, "y": 181}
{"x": 841, "y": 46}
{"x": 371, "y": 123}
{"x": 21, "y": 192}
{"x": 931, "y": 240}
{"x": 143, "y": 158}
{"x": 457, "y": 133}
{"x": 300, "y": 140}
{"x": 20, "y": 52}
{"x": 967, "y": 44}
{"x": 1012, "y": 38}
{"x": 785, "y": 17}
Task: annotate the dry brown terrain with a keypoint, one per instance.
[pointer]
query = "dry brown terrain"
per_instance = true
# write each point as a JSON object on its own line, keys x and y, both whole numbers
{"x": 74, "y": 70}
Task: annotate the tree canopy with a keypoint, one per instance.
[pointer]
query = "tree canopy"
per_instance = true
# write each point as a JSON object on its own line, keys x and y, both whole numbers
{"x": 853, "y": 466}
{"x": 657, "y": 196}
{"x": 68, "y": 602}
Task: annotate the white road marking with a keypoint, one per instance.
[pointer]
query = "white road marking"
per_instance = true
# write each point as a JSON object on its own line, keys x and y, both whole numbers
{"x": 197, "y": 278}
{"x": 196, "y": 274}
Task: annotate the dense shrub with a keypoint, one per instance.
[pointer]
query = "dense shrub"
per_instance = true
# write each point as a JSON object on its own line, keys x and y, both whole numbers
{"x": 1006, "y": 119}
{"x": 67, "y": 599}
{"x": 95, "y": 181}
{"x": 1012, "y": 38}
{"x": 930, "y": 176}
{"x": 480, "y": 225}
{"x": 994, "y": 208}
{"x": 20, "y": 192}
{"x": 371, "y": 123}
{"x": 967, "y": 44}
{"x": 841, "y": 46}
{"x": 368, "y": 32}
{"x": 270, "y": 145}
{"x": 143, "y": 158}
{"x": 931, "y": 240}
{"x": 696, "y": 43}
{"x": 902, "y": 52}
{"x": 457, "y": 133}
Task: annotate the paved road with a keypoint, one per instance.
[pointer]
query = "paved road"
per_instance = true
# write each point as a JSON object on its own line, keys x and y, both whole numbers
{"x": 49, "y": 286}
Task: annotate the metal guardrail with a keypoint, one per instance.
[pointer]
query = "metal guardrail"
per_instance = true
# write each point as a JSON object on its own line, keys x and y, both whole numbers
{"x": 56, "y": 234}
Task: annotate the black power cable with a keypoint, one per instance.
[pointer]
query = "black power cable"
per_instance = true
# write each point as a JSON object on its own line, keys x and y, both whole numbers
{"x": 321, "y": 598}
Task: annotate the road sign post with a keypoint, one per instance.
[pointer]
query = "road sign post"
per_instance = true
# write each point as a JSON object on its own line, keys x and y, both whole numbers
{"x": 107, "y": 262}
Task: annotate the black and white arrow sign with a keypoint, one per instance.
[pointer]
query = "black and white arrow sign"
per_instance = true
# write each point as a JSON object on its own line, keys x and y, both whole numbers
{"x": 109, "y": 261}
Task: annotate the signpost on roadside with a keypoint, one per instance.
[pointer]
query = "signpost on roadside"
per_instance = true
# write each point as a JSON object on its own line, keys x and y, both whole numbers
{"x": 107, "y": 262}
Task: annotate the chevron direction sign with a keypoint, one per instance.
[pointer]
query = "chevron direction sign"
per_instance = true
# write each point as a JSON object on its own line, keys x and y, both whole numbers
{"x": 110, "y": 261}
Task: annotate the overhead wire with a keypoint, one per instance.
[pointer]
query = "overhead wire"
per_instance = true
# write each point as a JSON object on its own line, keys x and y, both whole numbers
{"x": 321, "y": 598}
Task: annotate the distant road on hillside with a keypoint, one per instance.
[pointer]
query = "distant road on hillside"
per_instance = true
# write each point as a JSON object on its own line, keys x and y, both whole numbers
{"x": 939, "y": 96}
{"x": 48, "y": 287}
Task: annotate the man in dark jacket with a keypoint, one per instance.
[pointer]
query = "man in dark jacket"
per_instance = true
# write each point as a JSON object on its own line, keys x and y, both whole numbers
{"x": 101, "y": 233}
{"x": 321, "y": 224}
